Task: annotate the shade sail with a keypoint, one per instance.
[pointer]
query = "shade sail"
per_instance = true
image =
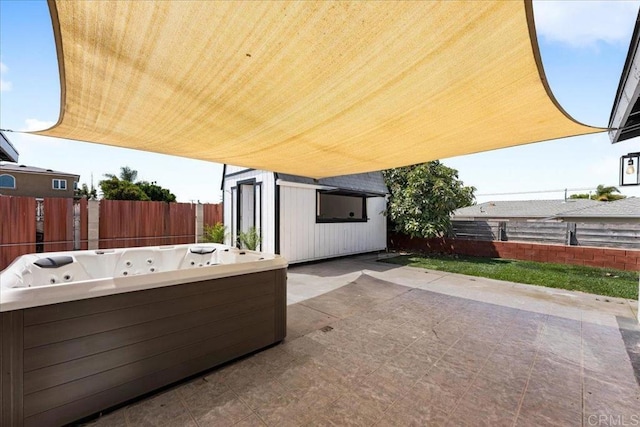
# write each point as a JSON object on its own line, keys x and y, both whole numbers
{"x": 309, "y": 88}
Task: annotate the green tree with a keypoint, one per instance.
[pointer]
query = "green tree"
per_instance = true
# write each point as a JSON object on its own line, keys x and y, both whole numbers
{"x": 117, "y": 189}
{"x": 156, "y": 192}
{"x": 123, "y": 187}
{"x": 423, "y": 196}
{"x": 84, "y": 191}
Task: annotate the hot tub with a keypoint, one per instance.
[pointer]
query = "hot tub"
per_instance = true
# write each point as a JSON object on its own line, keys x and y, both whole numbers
{"x": 83, "y": 331}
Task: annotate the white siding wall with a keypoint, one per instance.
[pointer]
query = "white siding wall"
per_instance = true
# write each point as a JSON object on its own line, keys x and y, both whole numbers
{"x": 266, "y": 210}
{"x": 234, "y": 169}
{"x": 304, "y": 240}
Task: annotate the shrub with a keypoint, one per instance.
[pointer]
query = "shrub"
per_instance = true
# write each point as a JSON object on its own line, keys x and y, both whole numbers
{"x": 215, "y": 233}
{"x": 251, "y": 239}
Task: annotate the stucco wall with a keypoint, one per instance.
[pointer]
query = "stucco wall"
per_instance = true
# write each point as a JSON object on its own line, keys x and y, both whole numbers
{"x": 37, "y": 184}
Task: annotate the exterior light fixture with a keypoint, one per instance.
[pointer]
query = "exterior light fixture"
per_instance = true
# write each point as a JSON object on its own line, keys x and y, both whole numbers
{"x": 629, "y": 170}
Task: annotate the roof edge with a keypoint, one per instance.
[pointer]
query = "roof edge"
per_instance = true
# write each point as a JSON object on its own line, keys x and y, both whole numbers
{"x": 7, "y": 151}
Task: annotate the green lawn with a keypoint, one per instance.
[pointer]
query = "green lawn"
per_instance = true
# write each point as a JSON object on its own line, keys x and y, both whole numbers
{"x": 600, "y": 281}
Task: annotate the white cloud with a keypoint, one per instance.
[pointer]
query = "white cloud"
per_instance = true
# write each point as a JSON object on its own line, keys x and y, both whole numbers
{"x": 585, "y": 23}
{"x": 5, "y": 85}
{"x": 35, "y": 124}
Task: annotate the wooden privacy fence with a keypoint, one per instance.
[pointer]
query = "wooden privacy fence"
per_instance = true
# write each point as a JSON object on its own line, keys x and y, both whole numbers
{"x": 30, "y": 225}
{"x": 212, "y": 213}
{"x": 126, "y": 223}
{"x": 64, "y": 226}
{"x": 610, "y": 235}
{"x": 17, "y": 228}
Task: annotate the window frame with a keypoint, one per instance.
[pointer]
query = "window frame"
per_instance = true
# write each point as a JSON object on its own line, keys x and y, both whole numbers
{"x": 59, "y": 181}
{"x": 353, "y": 194}
{"x": 12, "y": 177}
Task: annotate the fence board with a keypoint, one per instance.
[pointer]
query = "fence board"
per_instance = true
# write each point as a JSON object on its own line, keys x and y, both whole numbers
{"x": 546, "y": 232}
{"x": 625, "y": 236}
{"x": 181, "y": 223}
{"x": 475, "y": 230}
{"x": 17, "y": 228}
{"x": 212, "y": 213}
{"x": 126, "y": 223}
{"x": 611, "y": 235}
{"x": 58, "y": 224}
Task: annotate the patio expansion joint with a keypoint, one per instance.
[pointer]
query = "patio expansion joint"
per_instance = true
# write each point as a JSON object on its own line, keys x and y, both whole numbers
{"x": 184, "y": 404}
{"x": 533, "y": 364}
{"x": 582, "y": 373}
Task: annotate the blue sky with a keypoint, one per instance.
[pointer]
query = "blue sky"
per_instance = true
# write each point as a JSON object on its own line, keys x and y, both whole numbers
{"x": 583, "y": 46}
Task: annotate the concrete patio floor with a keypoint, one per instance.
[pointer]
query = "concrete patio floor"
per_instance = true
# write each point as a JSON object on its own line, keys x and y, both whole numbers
{"x": 376, "y": 344}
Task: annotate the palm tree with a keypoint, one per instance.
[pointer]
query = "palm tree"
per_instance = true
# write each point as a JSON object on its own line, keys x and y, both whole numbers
{"x": 605, "y": 194}
{"x": 126, "y": 174}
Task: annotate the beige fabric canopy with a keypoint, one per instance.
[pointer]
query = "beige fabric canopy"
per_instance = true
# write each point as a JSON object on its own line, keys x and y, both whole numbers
{"x": 309, "y": 88}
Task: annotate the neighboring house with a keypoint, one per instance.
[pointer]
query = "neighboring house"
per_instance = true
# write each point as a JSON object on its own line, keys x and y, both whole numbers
{"x": 521, "y": 210}
{"x": 305, "y": 219}
{"x": 620, "y": 211}
{"x": 29, "y": 181}
{"x": 8, "y": 152}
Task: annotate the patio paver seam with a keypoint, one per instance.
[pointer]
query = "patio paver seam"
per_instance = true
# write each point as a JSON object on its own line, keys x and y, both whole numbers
{"x": 533, "y": 364}
{"x": 582, "y": 370}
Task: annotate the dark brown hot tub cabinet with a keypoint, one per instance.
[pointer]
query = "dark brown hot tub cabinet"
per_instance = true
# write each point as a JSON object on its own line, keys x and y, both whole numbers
{"x": 66, "y": 361}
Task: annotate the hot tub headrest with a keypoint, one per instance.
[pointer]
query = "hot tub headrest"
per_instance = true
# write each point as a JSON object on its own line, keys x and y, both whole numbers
{"x": 202, "y": 251}
{"x": 54, "y": 261}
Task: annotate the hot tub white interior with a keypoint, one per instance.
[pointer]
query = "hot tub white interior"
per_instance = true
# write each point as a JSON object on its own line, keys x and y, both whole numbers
{"x": 64, "y": 276}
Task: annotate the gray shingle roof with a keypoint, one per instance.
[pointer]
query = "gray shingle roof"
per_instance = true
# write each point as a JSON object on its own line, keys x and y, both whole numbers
{"x": 623, "y": 208}
{"x": 370, "y": 182}
{"x": 522, "y": 208}
{"x": 31, "y": 169}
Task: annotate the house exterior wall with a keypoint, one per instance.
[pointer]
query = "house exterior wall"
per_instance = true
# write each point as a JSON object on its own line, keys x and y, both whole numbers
{"x": 265, "y": 208}
{"x": 302, "y": 239}
{"x": 38, "y": 184}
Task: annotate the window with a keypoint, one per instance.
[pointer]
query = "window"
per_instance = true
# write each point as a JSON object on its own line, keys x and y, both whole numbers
{"x": 340, "y": 207}
{"x": 7, "y": 181}
{"x": 75, "y": 185}
{"x": 59, "y": 184}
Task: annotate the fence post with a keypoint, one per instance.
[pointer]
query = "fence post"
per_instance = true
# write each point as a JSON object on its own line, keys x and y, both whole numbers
{"x": 199, "y": 222}
{"x": 571, "y": 234}
{"x": 76, "y": 226}
{"x": 93, "y": 234}
{"x": 502, "y": 231}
